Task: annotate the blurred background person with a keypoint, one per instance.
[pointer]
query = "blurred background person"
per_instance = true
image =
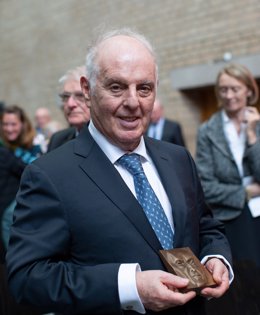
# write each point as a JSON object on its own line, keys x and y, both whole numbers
{"x": 228, "y": 161}
{"x": 51, "y": 128}
{"x": 164, "y": 129}
{"x": 45, "y": 127}
{"x": 16, "y": 151}
{"x": 42, "y": 117}
{"x": 74, "y": 107}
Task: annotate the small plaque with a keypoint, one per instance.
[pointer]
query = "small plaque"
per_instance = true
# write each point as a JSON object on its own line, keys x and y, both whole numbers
{"x": 183, "y": 263}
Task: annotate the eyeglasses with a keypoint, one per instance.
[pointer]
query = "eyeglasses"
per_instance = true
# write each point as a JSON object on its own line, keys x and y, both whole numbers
{"x": 77, "y": 96}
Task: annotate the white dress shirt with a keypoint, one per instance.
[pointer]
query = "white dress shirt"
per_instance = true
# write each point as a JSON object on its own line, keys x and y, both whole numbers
{"x": 237, "y": 143}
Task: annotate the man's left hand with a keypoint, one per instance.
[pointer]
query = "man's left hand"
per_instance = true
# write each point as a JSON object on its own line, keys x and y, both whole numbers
{"x": 220, "y": 274}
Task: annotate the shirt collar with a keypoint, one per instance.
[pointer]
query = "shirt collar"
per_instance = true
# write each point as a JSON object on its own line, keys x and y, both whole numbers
{"x": 226, "y": 120}
{"x": 111, "y": 151}
{"x": 225, "y": 117}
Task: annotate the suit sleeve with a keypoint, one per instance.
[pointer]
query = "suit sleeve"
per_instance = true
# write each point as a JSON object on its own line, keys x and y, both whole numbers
{"x": 40, "y": 267}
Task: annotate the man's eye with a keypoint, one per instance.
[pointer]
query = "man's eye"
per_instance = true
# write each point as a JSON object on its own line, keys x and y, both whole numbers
{"x": 115, "y": 88}
{"x": 79, "y": 96}
{"x": 145, "y": 90}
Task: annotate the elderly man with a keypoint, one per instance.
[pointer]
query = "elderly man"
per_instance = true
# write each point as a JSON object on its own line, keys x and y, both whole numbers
{"x": 74, "y": 106}
{"x": 93, "y": 214}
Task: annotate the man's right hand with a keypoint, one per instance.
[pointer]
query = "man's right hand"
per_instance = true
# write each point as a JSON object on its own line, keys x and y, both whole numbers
{"x": 158, "y": 290}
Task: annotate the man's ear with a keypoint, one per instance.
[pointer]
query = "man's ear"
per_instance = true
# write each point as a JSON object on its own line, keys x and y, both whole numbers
{"x": 85, "y": 87}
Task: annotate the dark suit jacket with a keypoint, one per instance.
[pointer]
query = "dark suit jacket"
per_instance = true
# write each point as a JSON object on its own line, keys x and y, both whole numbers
{"x": 60, "y": 137}
{"x": 220, "y": 177}
{"x": 172, "y": 132}
{"x": 77, "y": 221}
{"x": 11, "y": 169}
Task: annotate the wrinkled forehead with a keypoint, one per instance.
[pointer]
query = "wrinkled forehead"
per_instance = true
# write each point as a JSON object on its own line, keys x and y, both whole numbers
{"x": 123, "y": 48}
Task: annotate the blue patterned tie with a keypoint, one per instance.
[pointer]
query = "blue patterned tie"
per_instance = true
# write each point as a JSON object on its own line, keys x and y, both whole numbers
{"x": 148, "y": 200}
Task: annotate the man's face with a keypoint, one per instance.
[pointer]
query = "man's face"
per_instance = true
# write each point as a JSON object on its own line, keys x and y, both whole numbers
{"x": 74, "y": 106}
{"x": 124, "y": 93}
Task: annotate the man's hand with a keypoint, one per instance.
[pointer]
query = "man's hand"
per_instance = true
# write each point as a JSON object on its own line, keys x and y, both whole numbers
{"x": 220, "y": 274}
{"x": 158, "y": 290}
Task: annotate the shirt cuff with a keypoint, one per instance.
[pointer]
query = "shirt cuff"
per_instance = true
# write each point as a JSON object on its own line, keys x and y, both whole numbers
{"x": 128, "y": 294}
{"x": 231, "y": 273}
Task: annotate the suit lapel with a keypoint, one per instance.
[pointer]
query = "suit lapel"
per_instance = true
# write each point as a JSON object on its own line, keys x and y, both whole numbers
{"x": 217, "y": 136}
{"x": 71, "y": 134}
{"x": 98, "y": 167}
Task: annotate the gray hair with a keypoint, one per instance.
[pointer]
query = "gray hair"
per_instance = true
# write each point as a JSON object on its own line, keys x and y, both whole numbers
{"x": 92, "y": 68}
{"x": 73, "y": 74}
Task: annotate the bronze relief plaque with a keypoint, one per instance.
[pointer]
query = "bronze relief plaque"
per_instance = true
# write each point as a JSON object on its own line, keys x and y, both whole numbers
{"x": 183, "y": 263}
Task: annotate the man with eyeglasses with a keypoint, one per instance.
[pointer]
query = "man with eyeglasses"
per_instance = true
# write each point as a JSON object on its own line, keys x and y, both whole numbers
{"x": 74, "y": 107}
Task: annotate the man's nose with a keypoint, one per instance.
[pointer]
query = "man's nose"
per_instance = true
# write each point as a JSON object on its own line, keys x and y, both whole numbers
{"x": 132, "y": 98}
{"x": 71, "y": 101}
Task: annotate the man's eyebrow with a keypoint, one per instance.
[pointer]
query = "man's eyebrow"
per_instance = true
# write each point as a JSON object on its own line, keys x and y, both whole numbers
{"x": 146, "y": 82}
{"x": 108, "y": 81}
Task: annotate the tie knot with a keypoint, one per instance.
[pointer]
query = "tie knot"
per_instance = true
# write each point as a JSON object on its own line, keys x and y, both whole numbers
{"x": 132, "y": 163}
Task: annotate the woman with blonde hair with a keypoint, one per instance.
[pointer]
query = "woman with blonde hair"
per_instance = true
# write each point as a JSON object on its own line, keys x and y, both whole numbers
{"x": 228, "y": 161}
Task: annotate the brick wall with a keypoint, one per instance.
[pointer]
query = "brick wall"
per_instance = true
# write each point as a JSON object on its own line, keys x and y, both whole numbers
{"x": 40, "y": 40}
